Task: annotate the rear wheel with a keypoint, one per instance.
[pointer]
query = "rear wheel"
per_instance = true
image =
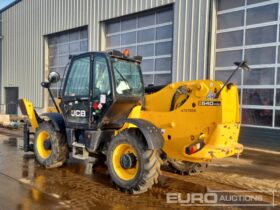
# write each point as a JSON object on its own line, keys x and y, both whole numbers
{"x": 132, "y": 167}
{"x": 50, "y": 146}
{"x": 186, "y": 168}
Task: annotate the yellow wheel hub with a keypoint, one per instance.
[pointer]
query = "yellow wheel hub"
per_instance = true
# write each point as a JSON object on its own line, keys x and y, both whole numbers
{"x": 122, "y": 172}
{"x": 41, "y": 139}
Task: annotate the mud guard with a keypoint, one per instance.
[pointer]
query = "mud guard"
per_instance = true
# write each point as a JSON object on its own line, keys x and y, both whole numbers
{"x": 57, "y": 121}
{"x": 152, "y": 134}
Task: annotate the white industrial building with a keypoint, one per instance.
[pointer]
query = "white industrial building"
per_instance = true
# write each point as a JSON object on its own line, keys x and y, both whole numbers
{"x": 179, "y": 40}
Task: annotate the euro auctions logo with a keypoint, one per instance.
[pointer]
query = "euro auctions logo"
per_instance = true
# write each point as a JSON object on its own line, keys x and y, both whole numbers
{"x": 221, "y": 198}
{"x": 192, "y": 198}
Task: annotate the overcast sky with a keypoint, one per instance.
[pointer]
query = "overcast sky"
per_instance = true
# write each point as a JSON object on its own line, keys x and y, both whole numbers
{"x": 4, "y": 3}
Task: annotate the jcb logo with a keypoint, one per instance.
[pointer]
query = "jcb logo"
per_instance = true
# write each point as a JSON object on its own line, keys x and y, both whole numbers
{"x": 78, "y": 113}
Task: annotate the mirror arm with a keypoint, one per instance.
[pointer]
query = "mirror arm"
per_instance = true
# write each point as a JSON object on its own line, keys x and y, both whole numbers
{"x": 242, "y": 65}
{"x": 45, "y": 84}
{"x": 56, "y": 106}
{"x": 53, "y": 78}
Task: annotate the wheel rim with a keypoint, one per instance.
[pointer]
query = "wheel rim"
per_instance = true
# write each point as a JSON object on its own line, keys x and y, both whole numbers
{"x": 42, "y": 139}
{"x": 124, "y": 173}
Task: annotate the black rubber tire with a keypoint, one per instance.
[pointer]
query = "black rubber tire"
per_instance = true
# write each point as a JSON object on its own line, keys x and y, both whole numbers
{"x": 186, "y": 168}
{"x": 149, "y": 163}
{"x": 59, "y": 148}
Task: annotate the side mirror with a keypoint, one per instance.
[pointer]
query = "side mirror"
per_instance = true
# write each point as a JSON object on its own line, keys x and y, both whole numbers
{"x": 53, "y": 77}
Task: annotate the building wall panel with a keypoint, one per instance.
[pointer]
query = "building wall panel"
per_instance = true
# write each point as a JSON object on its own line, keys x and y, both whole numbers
{"x": 190, "y": 39}
{"x": 26, "y": 24}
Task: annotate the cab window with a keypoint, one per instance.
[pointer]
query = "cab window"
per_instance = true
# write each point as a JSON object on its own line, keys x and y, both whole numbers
{"x": 78, "y": 79}
{"x": 101, "y": 84}
{"x": 127, "y": 77}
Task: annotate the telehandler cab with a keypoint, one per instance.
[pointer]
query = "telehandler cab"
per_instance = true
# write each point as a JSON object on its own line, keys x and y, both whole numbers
{"x": 103, "y": 110}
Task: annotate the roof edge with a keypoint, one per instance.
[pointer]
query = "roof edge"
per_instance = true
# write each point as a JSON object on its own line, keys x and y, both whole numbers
{"x": 9, "y": 6}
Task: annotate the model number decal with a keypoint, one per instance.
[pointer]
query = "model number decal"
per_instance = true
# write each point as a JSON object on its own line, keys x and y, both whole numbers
{"x": 209, "y": 103}
{"x": 78, "y": 113}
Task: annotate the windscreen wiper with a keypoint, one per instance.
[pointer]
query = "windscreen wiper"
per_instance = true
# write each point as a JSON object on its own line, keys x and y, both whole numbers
{"x": 121, "y": 75}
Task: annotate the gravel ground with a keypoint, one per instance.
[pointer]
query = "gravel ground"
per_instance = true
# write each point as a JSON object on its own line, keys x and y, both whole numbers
{"x": 26, "y": 185}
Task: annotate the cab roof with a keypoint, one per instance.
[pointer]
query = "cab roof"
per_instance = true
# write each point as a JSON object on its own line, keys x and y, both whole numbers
{"x": 114, "y": 54}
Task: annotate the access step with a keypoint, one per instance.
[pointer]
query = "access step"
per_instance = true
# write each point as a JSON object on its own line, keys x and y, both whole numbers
{"x": 79, "y": 151}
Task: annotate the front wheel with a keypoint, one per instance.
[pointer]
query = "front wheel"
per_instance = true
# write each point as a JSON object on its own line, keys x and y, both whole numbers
{"x": 132, "y": 167}
{"x": 50, "y": 146}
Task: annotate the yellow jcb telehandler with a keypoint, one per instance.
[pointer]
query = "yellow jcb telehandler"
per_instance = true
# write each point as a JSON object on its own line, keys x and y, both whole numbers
{"x": 103, "y": 110}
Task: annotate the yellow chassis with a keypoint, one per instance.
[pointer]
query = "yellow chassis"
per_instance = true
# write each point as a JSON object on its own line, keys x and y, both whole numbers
{"x": 216, "y": 121}
{"x": 219, "y": 126}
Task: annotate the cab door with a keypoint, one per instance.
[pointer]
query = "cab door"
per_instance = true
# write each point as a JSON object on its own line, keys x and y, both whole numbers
{"x": 101, "y": 94}
{"x": 75, "y": 102}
